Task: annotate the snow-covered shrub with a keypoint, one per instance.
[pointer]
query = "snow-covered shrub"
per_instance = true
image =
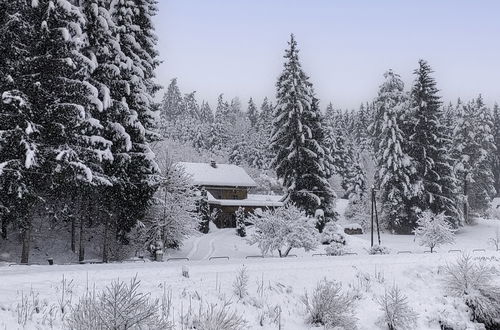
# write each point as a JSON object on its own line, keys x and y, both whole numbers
{"x": 329, "y": 306}
{"x": 332, "y": 233}
{"x": 495, "y": 240}
{"x": 172, "y": 217}
{"x": 434, "y": 230}
{"x": 321, "y": 221}
{"x": 335, "y": 249}
{"x": 283, "y": 229}
{"x": 240, "y": 284}
{"x": 473, "y": 283}
{"x": 378, "y": 249}
{"x": 358, "y": 211}
{"x": 398, "y": 315}
{"x": 241, "y": 229}
{"x": 118, "y": 306}
{"x": 218, "y": 317}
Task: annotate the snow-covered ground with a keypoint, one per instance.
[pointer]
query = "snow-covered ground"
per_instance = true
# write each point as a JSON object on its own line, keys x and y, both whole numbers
{"x": 285, "y": 281}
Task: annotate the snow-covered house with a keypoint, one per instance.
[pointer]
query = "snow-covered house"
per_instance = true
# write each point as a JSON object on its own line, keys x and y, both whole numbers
{"x": 227, "y": 189}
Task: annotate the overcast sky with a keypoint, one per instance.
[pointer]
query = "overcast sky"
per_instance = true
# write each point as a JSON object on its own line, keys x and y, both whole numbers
{"x": 236, "y": 47}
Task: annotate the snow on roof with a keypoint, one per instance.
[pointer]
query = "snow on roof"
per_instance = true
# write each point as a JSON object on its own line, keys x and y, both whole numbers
{"x": 204, "y": 174}
{"x": 251, "y": 200}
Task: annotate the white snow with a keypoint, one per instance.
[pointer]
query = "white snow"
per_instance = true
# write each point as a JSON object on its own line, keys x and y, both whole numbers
{"x": 203, "y": 174}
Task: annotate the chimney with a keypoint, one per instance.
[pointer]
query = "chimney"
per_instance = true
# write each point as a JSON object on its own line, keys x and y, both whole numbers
{"x": 213, "y": 164}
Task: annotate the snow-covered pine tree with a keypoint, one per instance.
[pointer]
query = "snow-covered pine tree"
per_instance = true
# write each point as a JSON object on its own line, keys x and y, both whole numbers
{"x": 430, "y": 148}
{"x": 361, "y": 128}
{"x": 172, "y": 106}
{"x": 473, "y": 145}
{"x": 19, "y": 137}
{"x": 206, "y": 115}
{"x": 137, "y": 40}
{"x": 204, "y": 212}
{"x": 495, "y": 158}
{"x": 222, "y": 112}
{"x": 241, "y": 229}
{"x": 395, "y": 167}
{"x": 252, "y": 113}
{"x": 265, "y": 122}
{"x": 482, "y": 187}
{"x": 298, "y": 139}
{"x": 191, "y": 107}
{"x": 356, "y": 180}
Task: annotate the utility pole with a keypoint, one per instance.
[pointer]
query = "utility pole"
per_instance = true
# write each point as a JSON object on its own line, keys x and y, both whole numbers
{"x": 374, "y": 214}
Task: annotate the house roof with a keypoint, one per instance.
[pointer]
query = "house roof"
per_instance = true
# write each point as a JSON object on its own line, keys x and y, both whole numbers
{"x": 224, "y": 175}
{"x": 251, "y": 200}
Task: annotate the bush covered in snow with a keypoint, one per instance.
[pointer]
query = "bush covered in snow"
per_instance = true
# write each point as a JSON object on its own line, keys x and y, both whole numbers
{"x": 332, "y": 233}
{"x": 335, "y": 249}
{"x": 398, "y": 315}
{"x": 329, "y": 306}
{"x": 118, "y": 306}
{"x": 434, "y": 230}
{"x": 218, "y": 317}
{"x": 473, "y": 282}
{"x": 240, "y": 284}
{"x": 282, "y": 230}
{"x": 378, "y": 249}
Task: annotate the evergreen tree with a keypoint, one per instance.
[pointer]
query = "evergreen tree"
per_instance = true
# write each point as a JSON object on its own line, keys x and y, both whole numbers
{"x": 298, "y": 139}
{"x": 495, "y": 157}
{"x": 136, "y": 182}
{"x": 222, "y": 112}
{"x": 204, "y": 211}
{"x": 172, "y": 104}
{"x": 252, "y": 113}
{"x": 429, "y": 147}
{"x": 191, "y": 109}
{"x": 206, "y": 115}
{"x": 241, "y": 229}
{"x": 395, "y": 167}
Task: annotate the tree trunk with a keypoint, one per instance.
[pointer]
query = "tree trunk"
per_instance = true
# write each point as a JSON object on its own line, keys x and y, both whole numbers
{"x": 26, "y": 237}
{"x": 81, "y": 252}
{"x": 73, "y": 234}
{"x": 105, "y": 257}
{"x": 4, "y": 229}
{"x": 466, "y": 200}
{"x": 287, "y": 252}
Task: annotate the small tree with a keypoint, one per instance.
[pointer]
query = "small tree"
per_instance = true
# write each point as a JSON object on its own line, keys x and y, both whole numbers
{"x": 240, "y": 284}
{"x": 434, "y": 230}
{"x": 283, "y": 229}
{"x": 204, "y": 210}
{"x": 495, "y": 240}
{"x": 241, "y": 228}
{"x": 398, "y": 315}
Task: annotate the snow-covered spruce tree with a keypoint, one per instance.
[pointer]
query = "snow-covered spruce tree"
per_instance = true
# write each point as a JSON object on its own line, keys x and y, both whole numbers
{"x": 206, "y": 115}
{"x": 252, "y": 113}
{"x": 482, "y": 187}
{"x": 136, "y": 181}
{"x": 172, "y": 103}
{"x": 191, "y": 107}
{"x": 204, "y": 211}
{"x": 241, "y": 229}
{"x": 65, "y": 101}
{"x": 430, "y": 148}
{"x": 19, "y": 151}
{"x": 473, "y": 145}
{"x": 495, "y": 157}
{"x": 298, "y": 139}
{"x": 434, "y": 230}
{"x": 356, "y": 180}
{"x": 282, "y": 230}
{"x": 361, "y": 127}
{"x": 395, "y": 167}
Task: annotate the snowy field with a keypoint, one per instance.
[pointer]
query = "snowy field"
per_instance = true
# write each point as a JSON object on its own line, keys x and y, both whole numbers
{"x": 31, "y": 296}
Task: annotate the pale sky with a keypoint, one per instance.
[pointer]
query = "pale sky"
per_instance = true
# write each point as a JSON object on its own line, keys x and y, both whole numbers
{"x": 236, "y": 47}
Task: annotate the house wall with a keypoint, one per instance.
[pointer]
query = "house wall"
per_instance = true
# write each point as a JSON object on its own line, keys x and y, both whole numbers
{"x": 227, "y": 214}
{"x": 228, "y": 192}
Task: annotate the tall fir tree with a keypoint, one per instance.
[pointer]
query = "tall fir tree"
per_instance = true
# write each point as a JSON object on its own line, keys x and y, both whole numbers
{"x": 395, "y": 167}
{"x": 206, "y": 114}
{"x": 252, "y": 113}
{"x": 172, "y": 105}
{"x": 298, "y": 139}
{"x": 429, "y": 147}
{"x": 495, "y": 157}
